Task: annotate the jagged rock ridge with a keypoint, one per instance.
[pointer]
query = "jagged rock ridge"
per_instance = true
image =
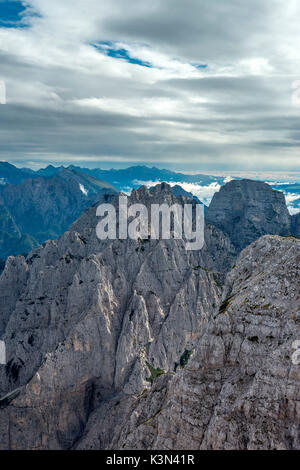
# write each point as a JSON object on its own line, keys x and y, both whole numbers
{"x": 240, "y": 389}
{"x": 87, "y": 315}
{"x": 89, "y": 324}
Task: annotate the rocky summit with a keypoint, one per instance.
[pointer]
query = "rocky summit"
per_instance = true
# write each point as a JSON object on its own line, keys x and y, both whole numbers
{"x": 141, "y": 344}
{"x": 246, "y": 210}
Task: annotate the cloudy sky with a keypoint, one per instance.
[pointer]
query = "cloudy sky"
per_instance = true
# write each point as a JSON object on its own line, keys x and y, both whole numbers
{"x": 190, "y": 85}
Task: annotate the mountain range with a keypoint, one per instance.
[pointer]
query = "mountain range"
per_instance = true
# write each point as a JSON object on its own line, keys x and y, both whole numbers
{"x": 39, "y": 205}
{"x": 42, "y": 208}
{"x": 121, "y": 178}
{"x": 140, "y": 344}
{"x": 202, "y": 185}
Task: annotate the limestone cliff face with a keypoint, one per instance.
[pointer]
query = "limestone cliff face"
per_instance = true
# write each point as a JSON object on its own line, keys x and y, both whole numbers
{"x": 91, "y": 325}
{"x": 246, "y": 210}
{"x": 88, "y": 316}
{"x": 240, "y": 389}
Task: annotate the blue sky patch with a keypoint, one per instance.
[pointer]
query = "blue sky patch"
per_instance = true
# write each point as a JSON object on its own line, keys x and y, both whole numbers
{"x": 12, "y": 14}
{"x": 108, "y": 49}
{"x": 200, "y": 66}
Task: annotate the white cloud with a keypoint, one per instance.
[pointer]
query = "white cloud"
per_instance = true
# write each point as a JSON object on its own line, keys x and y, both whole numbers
{"x": 293, "y": 202}
{"x": 228, "y": 179}
{"x": 290, "y": 197}
{"x": 236, "y": 114}
{"x": 204, "y": 193}
{"x": 293, "y": 210}
{"x": 135, "y": 107}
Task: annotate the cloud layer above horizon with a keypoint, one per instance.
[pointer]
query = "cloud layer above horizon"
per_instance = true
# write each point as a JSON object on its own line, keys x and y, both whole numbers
{"x": 196, "y": 85}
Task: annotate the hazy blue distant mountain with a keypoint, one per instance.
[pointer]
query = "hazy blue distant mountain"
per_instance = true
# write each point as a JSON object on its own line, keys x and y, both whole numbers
{"x": 134, "y": 176}
{"x": 50, "y": 170}
{"x": 42, "y": 208}
{"x": 87, "y": 183}
{"x": 10, "y": 174}
{"x": 200, "y": 185}
{"x": 131, "y": 177}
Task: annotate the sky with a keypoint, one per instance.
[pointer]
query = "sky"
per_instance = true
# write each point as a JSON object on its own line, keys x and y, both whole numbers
{"x": 194, "y": 85}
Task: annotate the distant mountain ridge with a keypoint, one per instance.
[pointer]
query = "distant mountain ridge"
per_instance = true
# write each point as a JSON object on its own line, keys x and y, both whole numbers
{"x": 13, "y": 175}
{"x": 40, "y": 205}
{"x": 121, "y": 178}
{"x": 135, "y": 176}
{"x": 42, "y": 208}
{"x": 141, "y": 173}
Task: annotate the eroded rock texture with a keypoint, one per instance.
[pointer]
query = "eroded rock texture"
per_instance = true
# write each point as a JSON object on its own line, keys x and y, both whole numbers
{"x": 98, "y": 334}
{"x": 295, "y": 225}
{"x": 240, "y": 389}
{"x": 246, "y": 210}
{"x": 86, "y": 317}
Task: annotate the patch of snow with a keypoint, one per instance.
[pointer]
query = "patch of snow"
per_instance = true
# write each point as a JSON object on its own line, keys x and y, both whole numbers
{"x": 83, "y": 189}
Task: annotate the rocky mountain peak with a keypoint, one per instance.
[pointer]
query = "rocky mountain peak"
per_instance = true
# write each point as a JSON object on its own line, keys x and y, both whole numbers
{"x": 246, "y": 210}
{"x": 99, "y": 334}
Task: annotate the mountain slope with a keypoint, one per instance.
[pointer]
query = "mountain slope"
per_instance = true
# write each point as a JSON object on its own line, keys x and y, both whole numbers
{"x": 245, "y": 210}
{"x": 240, "y": 389}
{"x": 89, "y": 314}
{"x": 9, "y": 174}
{"x": 136, "y": 175}
{"x": 43, "y": 208}
{"x": 89, "y": 325}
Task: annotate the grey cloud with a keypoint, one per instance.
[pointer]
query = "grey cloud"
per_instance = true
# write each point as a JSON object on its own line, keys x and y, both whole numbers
{"x": 245, "y": 119}
{"x": 206, "y": 30}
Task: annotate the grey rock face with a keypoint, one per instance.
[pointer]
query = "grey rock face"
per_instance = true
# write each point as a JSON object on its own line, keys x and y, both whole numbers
{"x": 246, "y": 210}
{"x": 8, "y": 229}
{"x": 90, "y": 324}
{"x": 240, "y": 389}
{"x": 91, "y": 315}
{"x": 296, "y": 225}
{"x": 13, "y": 281}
